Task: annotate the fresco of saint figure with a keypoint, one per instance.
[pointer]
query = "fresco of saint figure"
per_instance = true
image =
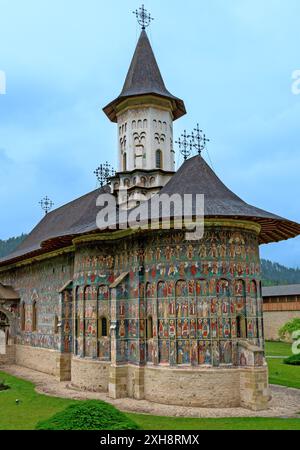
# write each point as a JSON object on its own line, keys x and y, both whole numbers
{"x": 172, "y": 329}
{"x": 122, "y": 330}
{"x": 194, "y": 353}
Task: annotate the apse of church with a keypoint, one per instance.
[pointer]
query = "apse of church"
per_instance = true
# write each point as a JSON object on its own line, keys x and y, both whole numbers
{"x": 180, "y": 303}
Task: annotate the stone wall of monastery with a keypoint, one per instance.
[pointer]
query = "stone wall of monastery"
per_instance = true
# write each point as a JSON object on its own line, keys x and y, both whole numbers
{"x": 274, "y": 320}
{"x": 90, "y": 375}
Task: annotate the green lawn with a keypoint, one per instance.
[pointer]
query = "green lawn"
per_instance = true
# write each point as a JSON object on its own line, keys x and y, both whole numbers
{"x": 278, "y": 349}
{"x": 280, "y": 373}
{"x": 176, "y": 423}
{"x": 33, "y": 407}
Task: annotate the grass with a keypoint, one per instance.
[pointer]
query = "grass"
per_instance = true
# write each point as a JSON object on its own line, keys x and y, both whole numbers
{"x": 278, "y": 349}
{"x": 280, "y": 373}
{"x": 32, "y": 408}
{"x": 241, "y": 423}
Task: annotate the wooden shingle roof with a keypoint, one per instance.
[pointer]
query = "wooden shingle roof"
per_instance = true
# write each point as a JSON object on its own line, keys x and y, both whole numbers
{"x": 58, "y": 228}
{"x": 144, "y": 78}
{"x": 281, "y": 291}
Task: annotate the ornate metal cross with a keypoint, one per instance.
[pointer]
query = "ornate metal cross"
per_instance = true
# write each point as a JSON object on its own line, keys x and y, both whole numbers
{"x": 104, "y": 172}
{"x": 199, "y": 139}
{"x": 143, "y": 17}
{"x": 185, "y": 145}
{"x": 46, "y": 204}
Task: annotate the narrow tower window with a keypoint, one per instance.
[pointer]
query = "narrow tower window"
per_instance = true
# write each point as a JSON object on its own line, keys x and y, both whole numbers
{"x": 34, "y": 316}
{"x": 125, "y": 162}
{"x": 159, "y": 159}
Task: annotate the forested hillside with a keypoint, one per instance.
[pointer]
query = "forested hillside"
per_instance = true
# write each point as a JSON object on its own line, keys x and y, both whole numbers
{"x": 10, "y": 245}
{"x": 274, "y": 274}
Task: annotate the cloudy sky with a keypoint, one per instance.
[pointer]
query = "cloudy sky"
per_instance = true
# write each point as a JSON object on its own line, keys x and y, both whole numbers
{"x": 230, "y": 60}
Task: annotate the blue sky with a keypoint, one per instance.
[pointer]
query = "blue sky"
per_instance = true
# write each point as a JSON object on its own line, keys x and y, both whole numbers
{"x": 230, "y": 60}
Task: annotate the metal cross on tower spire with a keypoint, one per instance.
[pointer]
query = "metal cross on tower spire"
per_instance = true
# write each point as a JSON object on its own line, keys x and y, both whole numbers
{"x": 46, "y": 204}
{"x": 199, "y": 139}
{"x": 104, "y": 172}
{"x": 185, "y": 145}
{"x": 143, "y": 17}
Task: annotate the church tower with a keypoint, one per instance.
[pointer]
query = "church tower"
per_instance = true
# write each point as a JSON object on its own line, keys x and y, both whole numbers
{"x": 144, "y": 111}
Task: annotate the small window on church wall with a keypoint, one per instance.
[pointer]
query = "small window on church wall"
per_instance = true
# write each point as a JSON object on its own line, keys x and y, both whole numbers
{"x": 77, "y": 325}
{"x": 34, "y": 316}
{"x": 56, "y": 325}
{"x": 23, "y": 316}
{"x": 159, "y": 159}
{"x": 150, "y": 327}
{"x": 241, "y": 325}
{"x": 125, "y": 162}
{"x": 103, "y": 327}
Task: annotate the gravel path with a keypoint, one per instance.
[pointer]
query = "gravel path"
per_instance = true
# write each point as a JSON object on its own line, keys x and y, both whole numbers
{"x": 285, "y": 401}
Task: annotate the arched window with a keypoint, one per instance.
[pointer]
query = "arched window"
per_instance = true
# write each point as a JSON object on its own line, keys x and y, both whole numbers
{"x": 158, "y": 159}
{"x": 103, "y": 327}
{"x": 23, "y": 316}
{"x": 241, "y": 327}
{"x": 56, "y": 324}
{"x": 34, "y": 316}
{"x": 125, "y": 162}
{"x": 149, "y": 330}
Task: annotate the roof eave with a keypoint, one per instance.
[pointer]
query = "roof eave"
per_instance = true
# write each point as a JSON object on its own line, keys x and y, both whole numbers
{"x": 178, "y": 109}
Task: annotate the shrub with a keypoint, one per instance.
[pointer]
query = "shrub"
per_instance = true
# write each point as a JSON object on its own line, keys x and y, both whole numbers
{"x": 3, "y": 386}
{"x": 89, "y": 415}
{"x": 289, "y": 328}
{"x": 292, "y": 360}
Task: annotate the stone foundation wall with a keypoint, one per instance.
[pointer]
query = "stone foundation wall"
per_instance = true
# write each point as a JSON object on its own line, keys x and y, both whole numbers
{"x": 90, "y": 375}
{"x": 207, "y": 388}
{"x": 254, "y": 388}
{"x": 274, "y": 320}
{"x": 204, "y": 388}
{"x": 9, "y": 357}
{"x": 40, "y": 359}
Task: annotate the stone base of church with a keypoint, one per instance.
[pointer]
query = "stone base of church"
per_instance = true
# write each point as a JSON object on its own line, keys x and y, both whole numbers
{"x": 40, "y": 359}
{"x": 44, "y": 360}
{"x": 206, "y": 388}
{"x": 210, "y": 388}
{"x": 9, "y": 357}
{"x": 90, "y": 375}
{"x": 254, "y": 388}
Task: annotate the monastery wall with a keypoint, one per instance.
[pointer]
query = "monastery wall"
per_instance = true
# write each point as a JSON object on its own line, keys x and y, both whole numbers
{"x": 274, "y": 320}
{"x": 90, "y": 375}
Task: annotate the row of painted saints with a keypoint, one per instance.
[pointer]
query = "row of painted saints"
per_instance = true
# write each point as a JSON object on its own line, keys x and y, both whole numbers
{"x": 198, "y": 288}
{"x": 189, "y": 352}
{"x": 212, "y": 247}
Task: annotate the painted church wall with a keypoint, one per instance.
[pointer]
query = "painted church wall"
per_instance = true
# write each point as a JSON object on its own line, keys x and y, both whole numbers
{"x": 39, "y": 284}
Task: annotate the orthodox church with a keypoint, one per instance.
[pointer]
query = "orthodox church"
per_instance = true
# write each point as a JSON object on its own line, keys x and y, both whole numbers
{"x": 145, "y": 313}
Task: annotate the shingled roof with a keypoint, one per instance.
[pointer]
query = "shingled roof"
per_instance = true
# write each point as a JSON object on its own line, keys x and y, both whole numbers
{"x": 281, "y": 291}
{"x": 196, "y": 177}
{"x": 58, "y": 228}
{"x": 144, "y": 78}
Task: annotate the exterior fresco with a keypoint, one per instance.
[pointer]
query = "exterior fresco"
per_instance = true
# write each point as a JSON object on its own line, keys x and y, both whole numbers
{"x": 198, "y": 299}
{"x": 179, "y": 303}
{"x": 41, "y": 283}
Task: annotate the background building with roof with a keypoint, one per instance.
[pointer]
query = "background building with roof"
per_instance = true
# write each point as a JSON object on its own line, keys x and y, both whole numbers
{"x": 145, "y": 313}
{"x": 281, "y": 304}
